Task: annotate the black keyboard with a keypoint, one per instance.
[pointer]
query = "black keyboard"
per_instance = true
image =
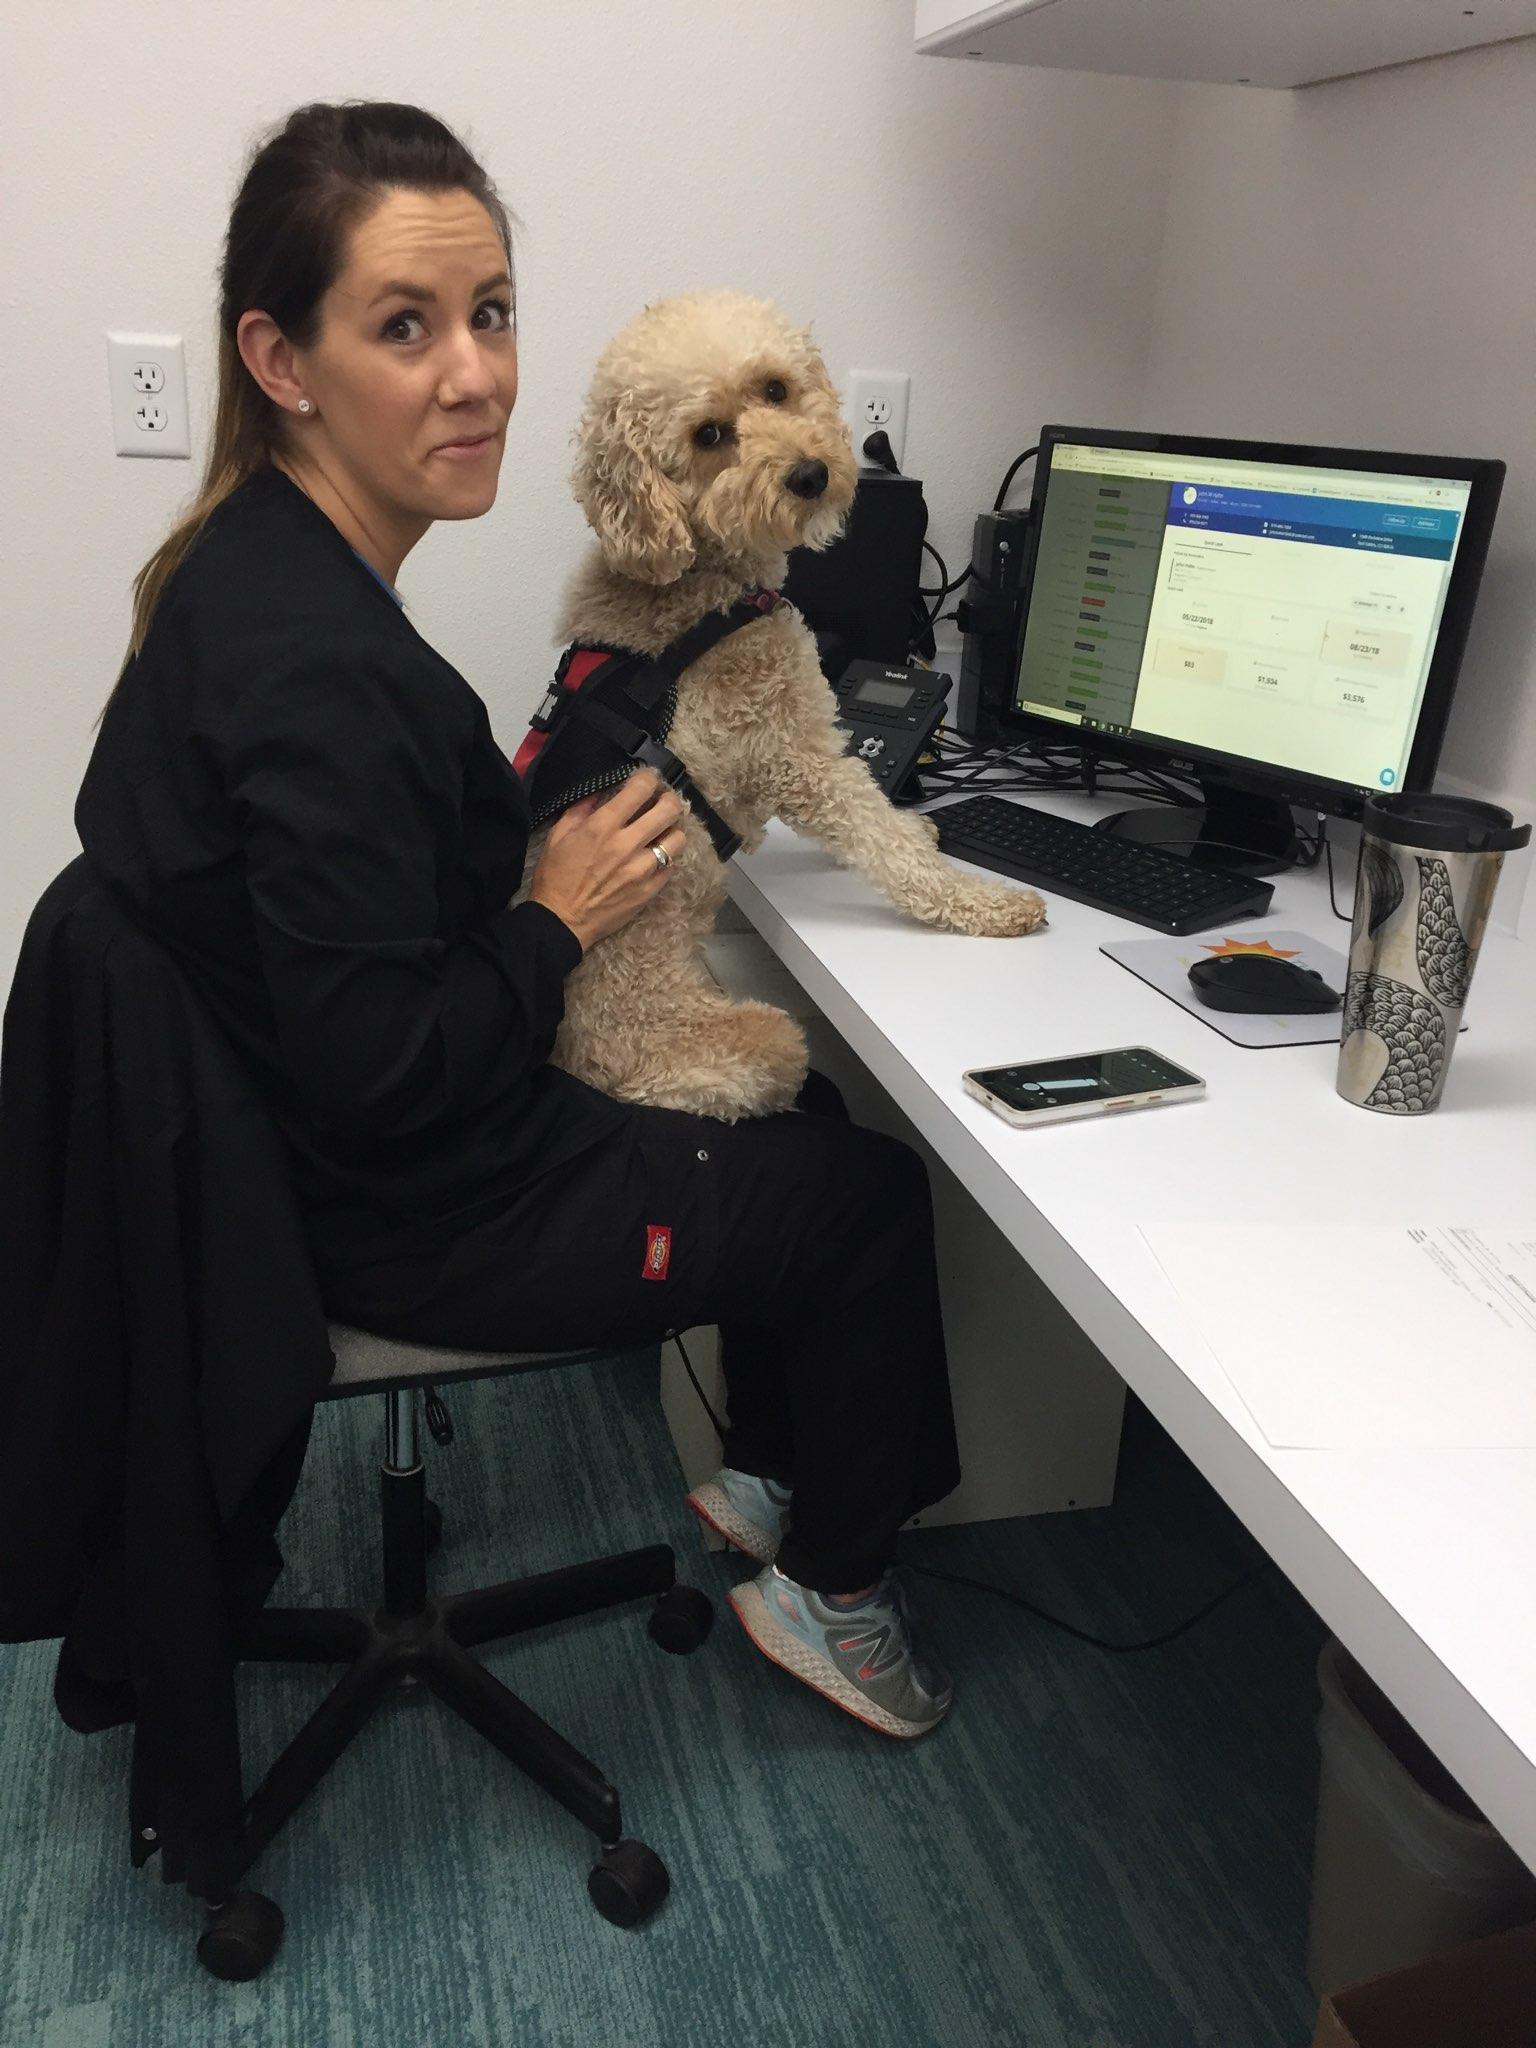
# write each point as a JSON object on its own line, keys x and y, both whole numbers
{"x": 1141, "y": 883}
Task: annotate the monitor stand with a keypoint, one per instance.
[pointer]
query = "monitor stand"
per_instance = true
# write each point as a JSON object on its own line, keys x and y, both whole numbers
{"x": 1230, "y": 828}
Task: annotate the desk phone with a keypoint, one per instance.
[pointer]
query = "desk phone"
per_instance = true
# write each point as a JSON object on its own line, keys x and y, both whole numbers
{"x": 889, "y": 715}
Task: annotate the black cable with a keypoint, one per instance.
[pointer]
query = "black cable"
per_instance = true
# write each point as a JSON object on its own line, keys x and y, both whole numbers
{"x": 1100, "y": 1642}
{"x": 947, "y": 586}
{"x": 1171, "y": 793}
{"x": 944, "y": 582}
{"x": 1002, "y": 1592}
{"x": 1027, "y": 765}
{"x": 1013, "y": 469}
{"x": 1313, "y": 846}
{"x": 682, "y": 1352}
{"x": 953, "y": 583}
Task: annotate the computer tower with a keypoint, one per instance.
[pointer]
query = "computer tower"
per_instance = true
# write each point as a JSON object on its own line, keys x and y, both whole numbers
{"x": 990, "y": 616}
{"x": 858, "y": 595}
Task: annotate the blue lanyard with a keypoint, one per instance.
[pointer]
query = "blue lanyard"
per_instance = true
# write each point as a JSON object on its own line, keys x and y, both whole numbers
{"x": 386, "y": 588}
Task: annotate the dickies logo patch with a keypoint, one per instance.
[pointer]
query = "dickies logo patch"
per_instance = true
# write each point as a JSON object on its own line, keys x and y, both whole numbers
{"x": 658, "y": 1251}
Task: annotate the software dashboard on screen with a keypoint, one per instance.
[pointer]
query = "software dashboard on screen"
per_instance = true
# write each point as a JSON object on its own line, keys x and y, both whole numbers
{"x": 1257, "y": 610}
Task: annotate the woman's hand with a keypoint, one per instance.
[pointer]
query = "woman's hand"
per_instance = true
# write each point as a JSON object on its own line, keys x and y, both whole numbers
{"x": 597, "y": 870}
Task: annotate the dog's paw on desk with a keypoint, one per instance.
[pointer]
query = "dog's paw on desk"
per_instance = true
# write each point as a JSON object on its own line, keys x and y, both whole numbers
{"x": 988, "y": 910}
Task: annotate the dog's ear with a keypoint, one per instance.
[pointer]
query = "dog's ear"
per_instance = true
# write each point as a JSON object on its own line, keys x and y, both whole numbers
{"x": 633, "y": 508}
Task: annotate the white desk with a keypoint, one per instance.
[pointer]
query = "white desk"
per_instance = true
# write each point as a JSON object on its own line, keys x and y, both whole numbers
{"x": 1424, "y": 1564}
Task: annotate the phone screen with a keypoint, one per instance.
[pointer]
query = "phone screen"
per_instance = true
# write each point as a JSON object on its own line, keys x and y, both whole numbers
{"x": 1089, "y": 1077}
{"x": 890, "y": 696}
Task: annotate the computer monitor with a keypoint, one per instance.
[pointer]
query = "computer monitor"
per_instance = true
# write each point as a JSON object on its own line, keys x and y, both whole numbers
{"x": 1284, "y": 624}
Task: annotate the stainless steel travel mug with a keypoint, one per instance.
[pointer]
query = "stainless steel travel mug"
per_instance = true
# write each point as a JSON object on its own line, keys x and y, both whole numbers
{"x": 1428, "y": 869}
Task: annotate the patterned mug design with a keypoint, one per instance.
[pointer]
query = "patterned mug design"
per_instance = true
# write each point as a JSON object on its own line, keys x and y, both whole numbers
{"x": 1410, "y": 1023}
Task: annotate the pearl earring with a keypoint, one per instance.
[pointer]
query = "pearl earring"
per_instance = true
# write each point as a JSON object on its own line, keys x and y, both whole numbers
{"x": 304, "y": 405}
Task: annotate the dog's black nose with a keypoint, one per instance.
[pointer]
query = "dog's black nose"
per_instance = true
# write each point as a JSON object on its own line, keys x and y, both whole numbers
{"x": 807, "y": 479}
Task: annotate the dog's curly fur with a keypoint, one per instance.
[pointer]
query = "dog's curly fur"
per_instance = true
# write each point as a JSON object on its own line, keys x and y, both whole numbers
{"x": 684, "y": 529}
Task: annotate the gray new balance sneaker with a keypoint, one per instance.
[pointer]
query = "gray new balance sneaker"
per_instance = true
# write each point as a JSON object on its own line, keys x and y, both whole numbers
{"x": 748, "y": 1512}
{"x": 861, "y": 1658}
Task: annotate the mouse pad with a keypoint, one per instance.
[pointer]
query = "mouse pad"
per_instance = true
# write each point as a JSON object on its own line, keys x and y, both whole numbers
{"x": 1165, "y": 963}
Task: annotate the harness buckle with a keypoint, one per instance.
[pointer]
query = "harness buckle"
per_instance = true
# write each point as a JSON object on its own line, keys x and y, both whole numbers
{"x": 554, "y": 696}
{"x": 544, "y": 718}
{"x": 652, "y": 754}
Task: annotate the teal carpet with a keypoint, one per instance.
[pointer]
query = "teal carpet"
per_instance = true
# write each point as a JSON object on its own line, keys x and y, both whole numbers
{"x": 1095, "y": 1852}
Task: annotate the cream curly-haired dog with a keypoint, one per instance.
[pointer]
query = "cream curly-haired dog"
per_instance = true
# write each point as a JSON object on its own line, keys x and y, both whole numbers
{"x": 710, "y": 445}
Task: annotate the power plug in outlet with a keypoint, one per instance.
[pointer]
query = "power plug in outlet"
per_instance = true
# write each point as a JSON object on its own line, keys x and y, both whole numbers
{"x": 877, "y": 399}
{"x": 148, "y": 380}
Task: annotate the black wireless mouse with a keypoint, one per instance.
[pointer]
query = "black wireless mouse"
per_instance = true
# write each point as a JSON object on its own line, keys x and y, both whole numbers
{"x": 1260, "y": 983}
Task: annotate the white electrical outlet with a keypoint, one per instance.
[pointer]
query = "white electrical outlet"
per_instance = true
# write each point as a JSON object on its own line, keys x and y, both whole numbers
{"x": 147, "y": 376}
{"x": 877, "y": 399}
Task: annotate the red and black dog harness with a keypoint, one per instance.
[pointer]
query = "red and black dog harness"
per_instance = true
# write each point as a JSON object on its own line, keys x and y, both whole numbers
{"x": 609, "y": 709}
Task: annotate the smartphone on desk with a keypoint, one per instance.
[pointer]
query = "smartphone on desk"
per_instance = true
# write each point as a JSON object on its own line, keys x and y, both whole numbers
{"x": 1087, "y": 1084}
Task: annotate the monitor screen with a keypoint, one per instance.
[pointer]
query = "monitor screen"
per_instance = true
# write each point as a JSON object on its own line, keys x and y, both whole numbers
{"x": 1242, "y": 607}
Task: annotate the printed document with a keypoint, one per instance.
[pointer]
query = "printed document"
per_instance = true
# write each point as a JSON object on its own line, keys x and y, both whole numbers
{"x": 1381, "y": 1337}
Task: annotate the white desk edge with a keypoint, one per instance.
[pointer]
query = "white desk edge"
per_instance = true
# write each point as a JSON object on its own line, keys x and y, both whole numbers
{"x": 1265, "y": 1487}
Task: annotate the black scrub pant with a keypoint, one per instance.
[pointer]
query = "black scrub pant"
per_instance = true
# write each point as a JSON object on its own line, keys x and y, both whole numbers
{"x": 808, "y": 1239}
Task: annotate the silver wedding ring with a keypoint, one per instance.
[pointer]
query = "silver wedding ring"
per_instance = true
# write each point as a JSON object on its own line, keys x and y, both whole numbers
{"x": 663, "y": 858}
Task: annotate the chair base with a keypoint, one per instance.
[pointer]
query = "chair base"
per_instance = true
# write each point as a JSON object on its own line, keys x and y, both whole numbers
{"x": 412, "y": 1639}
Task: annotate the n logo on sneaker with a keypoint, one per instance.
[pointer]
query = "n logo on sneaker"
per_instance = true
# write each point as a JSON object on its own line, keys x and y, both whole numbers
{"x": 882, "y": 1647}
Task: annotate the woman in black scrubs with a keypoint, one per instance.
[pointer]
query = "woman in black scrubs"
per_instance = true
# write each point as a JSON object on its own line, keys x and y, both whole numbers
{"x": 303, "y": 802}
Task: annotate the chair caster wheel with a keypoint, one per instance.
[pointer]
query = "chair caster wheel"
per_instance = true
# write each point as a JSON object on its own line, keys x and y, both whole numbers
{"x": 242, "y": 1937}
{"x": 432, "y": 1525}
{"x": 628, "y": 1882}
{"x": 681, "y": 1619}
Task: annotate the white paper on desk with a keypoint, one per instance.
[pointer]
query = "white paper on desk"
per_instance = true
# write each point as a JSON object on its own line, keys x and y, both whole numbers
{"x": 1381, "y": 1337}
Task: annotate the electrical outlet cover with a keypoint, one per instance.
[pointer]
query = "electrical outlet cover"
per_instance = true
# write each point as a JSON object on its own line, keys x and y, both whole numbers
{"x": 139, "y": 365}
{"x": 877, "y": 400}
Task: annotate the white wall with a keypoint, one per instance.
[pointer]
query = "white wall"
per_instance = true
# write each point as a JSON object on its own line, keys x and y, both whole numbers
{"x": 992, "y": 231}
{"x": 1353, "y": 264}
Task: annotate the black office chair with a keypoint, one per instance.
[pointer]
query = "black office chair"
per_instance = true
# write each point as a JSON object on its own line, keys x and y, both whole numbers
{"x": 411, "y": 1638}
{"x": 134, "y": 1147}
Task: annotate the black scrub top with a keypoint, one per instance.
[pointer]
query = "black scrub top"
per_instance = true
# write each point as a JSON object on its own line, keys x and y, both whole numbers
{"x": 303, "y": 801}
